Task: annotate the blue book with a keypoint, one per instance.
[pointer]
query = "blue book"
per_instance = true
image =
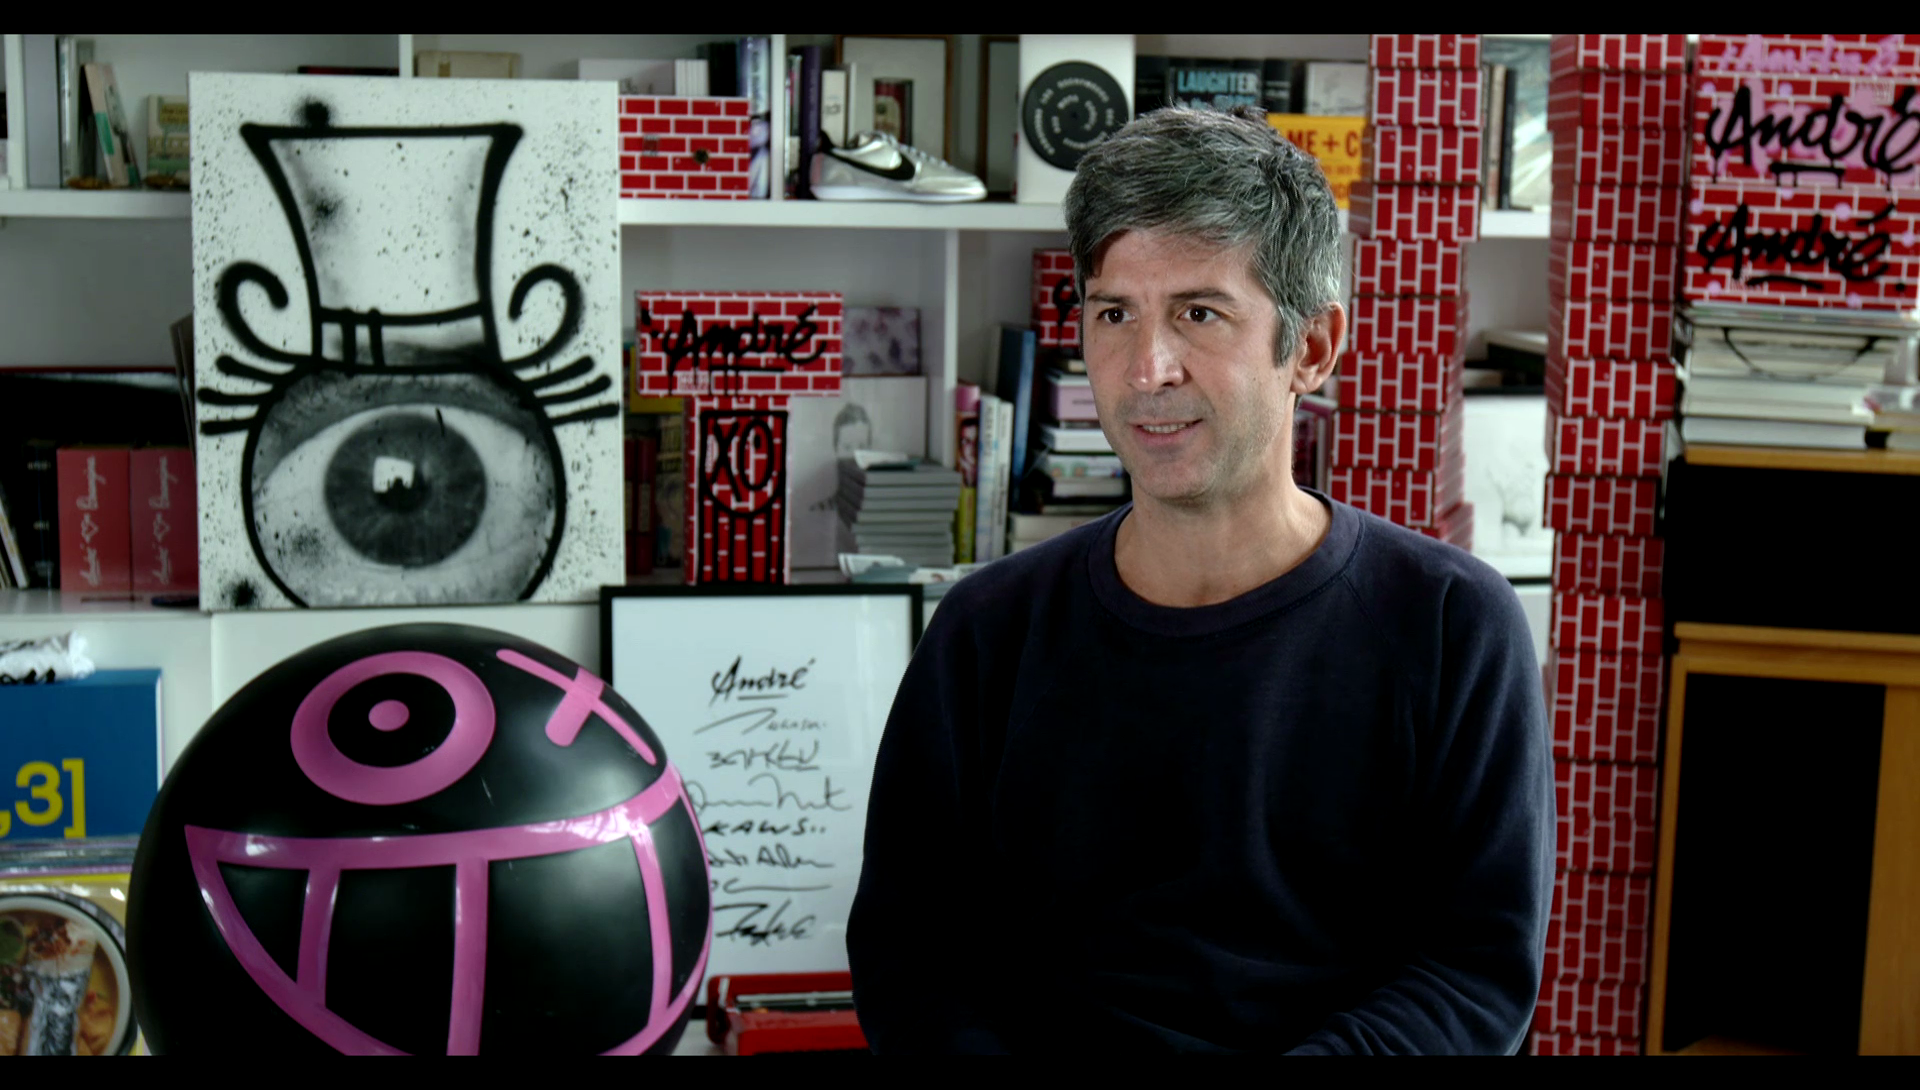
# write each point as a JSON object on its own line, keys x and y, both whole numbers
{"x": 1018, "y": 347}
{"x": 79, "y": 758}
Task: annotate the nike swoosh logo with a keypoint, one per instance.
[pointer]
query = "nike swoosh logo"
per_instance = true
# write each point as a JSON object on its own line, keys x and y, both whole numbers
{"x": 901, "y": 171}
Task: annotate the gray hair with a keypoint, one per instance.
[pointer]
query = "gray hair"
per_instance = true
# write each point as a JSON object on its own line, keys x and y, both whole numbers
{"x": 1226, "y": 178}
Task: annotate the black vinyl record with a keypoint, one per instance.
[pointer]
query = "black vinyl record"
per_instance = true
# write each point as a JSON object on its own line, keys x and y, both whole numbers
{"x": 1069, "y": 108}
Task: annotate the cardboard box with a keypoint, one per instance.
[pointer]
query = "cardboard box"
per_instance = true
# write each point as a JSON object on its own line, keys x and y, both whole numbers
{"x": 1593, "y": 953}
{"x": 1618, "y": 213}
{"x": 163, "y": 521}
{"x": 1611, "y": 902}
{"x": 1590, "y": 1008}
{"x": 1400, "y": 154}
{"x": 1412, "y": 383}
{"x": 1615, "y": 156}
{"x": 1425, "y": 51}
{"x": 1070, "y": 398}
{"x": 1605, "y": 707}
{"x": 1392, "y": 266}
{"x": 1056, "y": 303}
{"x": 1642, "y": 271}
{"x": 1605, "y": 446}
{"x": 685, "y": 147}
{"x": 1618, "y": 52}
{"x": 1609, "y": 564}
{"x": 1448, "y": 213}
{"x": 1626, "y": 100}
{"x": 1636, "y": 389}
{"x": 1601, "y": 328}
{"x": 1396, "y": 440}
{"x": 1573, "y": 1044}
{"x": 1406, "y": 497}
{"x": 1756, "y": 128}
{"x": 1607, "y": 816}
{"x": 1607, "y": 622}
{"x": 1853, "y": 246}
{"x": 1888, "y": 56}
{"x": 1602, "y": 505}
{"x": 793, "y": 339}
{"x": 1448, "y": 97}
{"x": 1409, "y": 324}
{"x": 95, "y": 541}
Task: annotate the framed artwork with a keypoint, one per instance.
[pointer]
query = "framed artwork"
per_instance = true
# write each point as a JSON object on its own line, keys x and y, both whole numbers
{"x": 770, "y": 701}
{"x": 910, "y": 81}
{"x": 1503, "y": 439}
{"x": 395, "y": 287}
{"x": 999, "y": 111}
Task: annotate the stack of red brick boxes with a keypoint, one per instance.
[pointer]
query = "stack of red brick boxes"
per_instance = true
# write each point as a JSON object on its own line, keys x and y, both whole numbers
{"x": 1396, "y": 438}
{"x": 1617, "y": 113}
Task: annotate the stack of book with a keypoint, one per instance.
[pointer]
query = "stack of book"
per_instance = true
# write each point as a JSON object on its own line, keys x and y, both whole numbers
{"x": 1615, "y": 113}
{"x": 1753, "y": 378}
{"x": 898, "y": 507}
{"x": 1397, "y": 437}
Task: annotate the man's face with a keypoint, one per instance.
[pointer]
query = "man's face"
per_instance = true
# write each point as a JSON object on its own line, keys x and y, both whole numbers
{"x": 1180, "y": 352}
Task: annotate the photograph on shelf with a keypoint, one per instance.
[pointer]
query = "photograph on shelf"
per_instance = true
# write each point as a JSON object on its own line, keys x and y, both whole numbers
{"x": 911, "y": 77}
{"x": 873, "y": 412}
{"x": 999, "y": 111}
{"x": 437, "y": 306}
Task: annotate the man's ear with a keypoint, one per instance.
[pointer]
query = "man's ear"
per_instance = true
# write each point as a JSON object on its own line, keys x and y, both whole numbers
{"x": 1319, "y": 354}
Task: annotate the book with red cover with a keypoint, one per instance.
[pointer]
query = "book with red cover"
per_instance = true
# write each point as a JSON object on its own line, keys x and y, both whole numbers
{"x": 163, "y": 521}
{"x": 94, "y": 542}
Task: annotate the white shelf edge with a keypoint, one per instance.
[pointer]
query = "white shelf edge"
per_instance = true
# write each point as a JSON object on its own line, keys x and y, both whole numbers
{"x": 94, "y": 204}
{"x": 895, "y": 215}
{"x": 1514, "y": 224}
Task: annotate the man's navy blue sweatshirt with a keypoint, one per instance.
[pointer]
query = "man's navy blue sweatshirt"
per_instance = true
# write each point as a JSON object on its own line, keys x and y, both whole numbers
{"x": 1318, "y": 817}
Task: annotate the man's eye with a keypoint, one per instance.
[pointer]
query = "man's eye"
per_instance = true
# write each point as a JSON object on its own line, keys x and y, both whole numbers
{"x": 1113, "y": 315}
{"x": 1201, "y": 314}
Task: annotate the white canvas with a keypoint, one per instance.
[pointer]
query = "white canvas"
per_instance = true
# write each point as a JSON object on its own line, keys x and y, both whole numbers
{"x": 407, "y": 342}
{"x": 876, "y": 412}
{"x": 1504, "y": 441}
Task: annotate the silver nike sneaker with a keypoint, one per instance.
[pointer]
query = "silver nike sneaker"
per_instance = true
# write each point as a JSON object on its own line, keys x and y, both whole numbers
{"x": 876, "y": 167}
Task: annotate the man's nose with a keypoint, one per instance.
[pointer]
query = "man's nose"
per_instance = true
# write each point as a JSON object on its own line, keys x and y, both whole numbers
{"x": 1157, "y": 357}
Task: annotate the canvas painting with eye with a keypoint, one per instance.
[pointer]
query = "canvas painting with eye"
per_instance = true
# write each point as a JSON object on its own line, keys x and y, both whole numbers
{"x": 407, "y": 340}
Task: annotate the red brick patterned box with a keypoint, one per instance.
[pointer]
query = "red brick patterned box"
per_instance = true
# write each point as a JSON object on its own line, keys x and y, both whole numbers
{"x": 1609, "y": 564}
{"x": 1605, "y": 707}
{"x": 1607, "y": 816}
{"x": 1851, "y": 246}
{"x": 1573, "y": 1044}
{"x": 1839, "y": 130}
{"x": 740, "y": 343}
{"x": 1392, "y": 266}
{"x": 1592, "y": 953}
{"x": 1605, "y": 447}
{"x": 1448, "y": 97}
{"x": 1425, "y": 51}
{"x": 1602, "y": 505}
{"x": 1409, "y": 324}
{"x": 1410, "y": 383}
{"x": 1455, "y": 526}
{"x": 1619, "y": 213}
{"x": 1638, "y": 389}
{"x": 1618, "y": 52}
{"x": 1419, "y": 441}
{"x": 1607, "y": 622}
{"x": 1611, "y": 902}
{"x": 1449, "y": 213}
{"x": 1589, "y": 1008}
{"x": 1889, "y": 56}
{"x": 684, "y": 147}
{"x": 1408, "y": 498}
{"x": 1624, "y": 100}
{"x": 1578, "y": 269}
{"x": 1056, "y": 304}
{"x": 1595, "y": 156}
{"x": 1399, "y": 154}
{"x": 1601, "y": 328}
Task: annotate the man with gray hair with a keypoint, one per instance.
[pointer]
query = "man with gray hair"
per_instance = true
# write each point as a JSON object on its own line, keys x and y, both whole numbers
{"x": 1236, "y": 767}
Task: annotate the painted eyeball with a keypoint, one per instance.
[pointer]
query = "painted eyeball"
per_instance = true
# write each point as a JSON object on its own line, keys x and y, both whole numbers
{"x": 396, "y": 487}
